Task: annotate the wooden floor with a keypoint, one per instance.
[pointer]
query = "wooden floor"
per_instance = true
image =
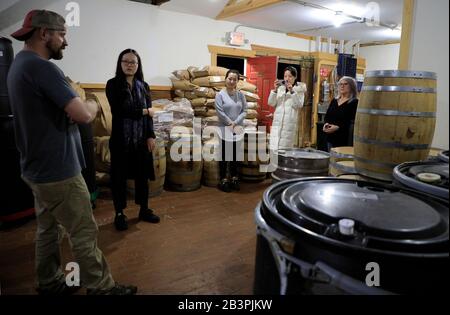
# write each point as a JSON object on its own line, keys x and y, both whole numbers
{"x": 205, "y": 244}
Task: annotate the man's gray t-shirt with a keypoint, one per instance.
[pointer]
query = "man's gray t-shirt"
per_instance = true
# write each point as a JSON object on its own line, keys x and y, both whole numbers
{"x": 48, "y": 142}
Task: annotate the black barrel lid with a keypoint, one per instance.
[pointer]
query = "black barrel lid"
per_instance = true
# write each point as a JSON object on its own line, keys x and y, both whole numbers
{"x": 443, "y": 156}
{"x": 409, "y": 174}
{"x": 439, "y": 169}
{"x": 380, "y": 212}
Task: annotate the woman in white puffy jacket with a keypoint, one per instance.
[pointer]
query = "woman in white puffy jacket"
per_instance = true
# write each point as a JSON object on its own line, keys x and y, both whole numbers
{"x": 287, "y": 98}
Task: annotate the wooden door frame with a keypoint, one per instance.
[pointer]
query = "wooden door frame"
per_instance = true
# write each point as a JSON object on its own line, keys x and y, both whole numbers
{"x": 228, "y": 51}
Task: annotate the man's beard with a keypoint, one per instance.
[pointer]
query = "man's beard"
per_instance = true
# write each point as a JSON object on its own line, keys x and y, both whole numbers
{"x": 55, "y": 53}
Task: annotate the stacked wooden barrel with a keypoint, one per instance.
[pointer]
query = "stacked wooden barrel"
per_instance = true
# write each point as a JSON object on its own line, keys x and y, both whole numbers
{"x": 255, "y": 147}
{"x": 342, "y": 161}
{"x": 184, "y": 161}
{"x": 395, "y": 121}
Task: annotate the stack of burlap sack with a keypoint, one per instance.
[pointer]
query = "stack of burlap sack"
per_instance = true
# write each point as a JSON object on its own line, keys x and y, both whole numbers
{"x": 200, "y": 85}
{"x": 170, "y": 114}
{"x": 101, "y": 129}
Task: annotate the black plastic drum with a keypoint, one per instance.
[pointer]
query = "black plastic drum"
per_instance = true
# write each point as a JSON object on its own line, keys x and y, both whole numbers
{"x": 430, "y": 177}
{"x": 443, "y": 156}
{"x": 325, "y": 235}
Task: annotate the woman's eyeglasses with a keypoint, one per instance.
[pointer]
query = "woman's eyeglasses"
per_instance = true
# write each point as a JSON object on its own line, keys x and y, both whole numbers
{"x": 343, "y": 84}
{"x": 131, "y": 63}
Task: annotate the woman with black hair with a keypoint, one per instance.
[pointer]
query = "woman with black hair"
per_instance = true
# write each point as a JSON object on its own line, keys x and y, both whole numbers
{"x": 287, "y": 98}
{"x": 231, "y": 108}
{"x": 132, "y": 137}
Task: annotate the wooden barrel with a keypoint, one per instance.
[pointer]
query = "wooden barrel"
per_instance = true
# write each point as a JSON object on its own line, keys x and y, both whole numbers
{"x": 337, "y": 158}
{"x": 342, "y": 167}
{"x": 299, "y": 163}
{"x": 395, "y": 121}
{"x": 249, "y": 169}
{"x": 155, "y": 187}
{"x": 341, "y": 154}
{"x": 211, "y": 158}
{"x": 434, "y": 153}
{"x": 184, "y": 162}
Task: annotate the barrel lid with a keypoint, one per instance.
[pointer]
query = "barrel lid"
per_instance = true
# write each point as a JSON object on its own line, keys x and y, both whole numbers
{"x": 303, "y": 154}
{"x": 443, "y": 156}
{"x": 411, "y": 175}
{"x": 387, "y": 219}
{"x": 342, "y": 151}
{"x": 379, "y": 212}
{"x": 401, "y": 74}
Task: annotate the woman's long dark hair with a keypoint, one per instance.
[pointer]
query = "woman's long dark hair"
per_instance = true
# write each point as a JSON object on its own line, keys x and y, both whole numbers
{"x": 119, "y": 72}
{"x": 293, "y": 72}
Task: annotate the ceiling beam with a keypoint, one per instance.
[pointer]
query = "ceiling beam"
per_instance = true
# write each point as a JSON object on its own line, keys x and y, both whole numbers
{"x": 271, "y": 51}
{"x": 313, "y": 38}
{"x": 380, "y": 43}
{"x": 234, "y": 7}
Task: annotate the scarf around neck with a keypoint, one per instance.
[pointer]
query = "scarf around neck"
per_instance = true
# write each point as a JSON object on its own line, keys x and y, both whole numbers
{"x": 133, "y": 129}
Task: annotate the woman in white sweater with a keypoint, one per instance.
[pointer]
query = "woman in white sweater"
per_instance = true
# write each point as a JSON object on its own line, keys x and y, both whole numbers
{"x": 287, "y": 98}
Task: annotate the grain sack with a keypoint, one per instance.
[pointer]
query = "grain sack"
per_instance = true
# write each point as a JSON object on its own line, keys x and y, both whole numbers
{"x": 102, "y": 124}
{"x": 77, "y": 87}
{"x": 250, "y": 124}
{"x": 211, "y": 113}
{"x": 205, "y": 92}
{"x": 251, "y": 114}
{"x": 211, "y": 103}
{"x": 199, "y": 72}
{"x": 212, "y": 71}
{"x": 179, "y": 93}
{"x": 198, "y": 102}
{"x": 183, "y": 85}
{"x": 191, "y": 70}
{"x": 211, "y": 81}
{"x": 190, "y": 95}
{"x": 246, "y": 86}
{"x": 200, "y": 111}
{"x": 182, "y": 74}
{"x": 250, "y": 97}
{"x": 159, "y": 105}
{"x": 252, "y": 105}
{"x": 102, "y": 154}
{"x": 211, "y": 121}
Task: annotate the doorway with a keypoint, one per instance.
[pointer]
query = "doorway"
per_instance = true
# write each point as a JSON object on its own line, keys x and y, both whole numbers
{"x": 228, "y": 62}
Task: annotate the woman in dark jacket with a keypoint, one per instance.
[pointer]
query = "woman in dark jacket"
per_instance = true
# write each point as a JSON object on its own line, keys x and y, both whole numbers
{"x": 341, "y": 114}
{"x": 132, "y": 138}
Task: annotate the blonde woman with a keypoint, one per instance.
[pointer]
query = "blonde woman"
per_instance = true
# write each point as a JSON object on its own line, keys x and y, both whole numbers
{"x": 341, "y": 113}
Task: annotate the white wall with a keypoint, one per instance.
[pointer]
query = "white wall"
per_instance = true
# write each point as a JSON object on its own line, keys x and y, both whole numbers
{"x": 430, "y": 51}
{"x": 383, "y": 57}
{"x": 166, "y": 40}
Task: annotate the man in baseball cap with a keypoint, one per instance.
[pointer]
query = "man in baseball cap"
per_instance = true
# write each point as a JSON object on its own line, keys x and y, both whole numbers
{"x": 47, "y": 112}
{"x": 39, "y": 19}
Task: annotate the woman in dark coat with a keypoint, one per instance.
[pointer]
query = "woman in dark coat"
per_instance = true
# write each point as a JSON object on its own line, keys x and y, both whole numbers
{"x": 341, "y": 114}
{"x": 132, "y": 138}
